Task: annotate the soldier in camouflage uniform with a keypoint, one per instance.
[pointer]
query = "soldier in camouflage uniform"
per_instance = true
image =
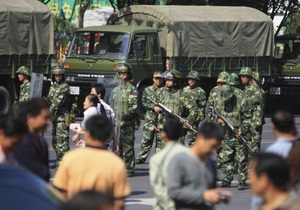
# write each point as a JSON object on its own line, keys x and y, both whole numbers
{"x": 232, "y": 151}
{"x": 59, "y": 100}
{"x": 212, "y": 100}
{"x": 251, "y": 102}
{"x": 260, "y": 111}
{"x": 129, "y": 97}
{"x": 194, "y": 93}
{"x": 214, "y": 95}
{"x": 151, "y": 118}
{"x": 24, "y": 77}
{"x": 171, "y": 98}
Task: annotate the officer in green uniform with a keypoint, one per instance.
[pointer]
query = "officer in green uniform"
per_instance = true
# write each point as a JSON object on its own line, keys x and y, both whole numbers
{"x": 260, "y": 111}
{"x": 128, "y": 95}
{"x": 150, "y": 118}
{"x": 171, "y": 98}
{"x": 212, "y": 100}
{"x": 232, "y": 151}
{"x": 24, "y": 77}
{"x": 214, "y": 95}
{"x": 251, "y": 102}
{"x": 59, "y": 100}
{"x": 194, "y": 93}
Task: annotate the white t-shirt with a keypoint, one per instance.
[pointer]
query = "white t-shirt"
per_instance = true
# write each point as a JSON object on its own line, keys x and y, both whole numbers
{"x": 87, "y": 114}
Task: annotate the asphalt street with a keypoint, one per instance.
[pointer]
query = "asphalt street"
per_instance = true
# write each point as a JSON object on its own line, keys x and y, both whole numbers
{"x": 142, "y": 194}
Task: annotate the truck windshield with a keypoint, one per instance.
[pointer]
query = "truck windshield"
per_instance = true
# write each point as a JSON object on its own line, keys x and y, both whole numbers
{"x": 109, "y": 45}
{"x": 288, "y": 49}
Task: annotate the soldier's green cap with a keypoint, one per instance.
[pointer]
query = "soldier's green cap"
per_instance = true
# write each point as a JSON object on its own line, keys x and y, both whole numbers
{"x": 246, "y": 71}
{"x": 233, "y": 79}
{"x": 123, "y": 68}
{"x": 24, "y": 70}
{"x": 58, "y": 70}
{"x": 193, "y": 75}
{"x": 222, "y": 77}
{"x": 226, "y": 92}
{"x": 157, "y": 74}
{"x": 256, "y": 76}
{"x": 174, "y": 74}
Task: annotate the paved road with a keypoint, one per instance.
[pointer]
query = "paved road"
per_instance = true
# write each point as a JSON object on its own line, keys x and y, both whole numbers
{"x": 142, "y": 194}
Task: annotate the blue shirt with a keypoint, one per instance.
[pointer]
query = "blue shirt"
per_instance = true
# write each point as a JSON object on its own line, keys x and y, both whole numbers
{"x": 281, "y": 147}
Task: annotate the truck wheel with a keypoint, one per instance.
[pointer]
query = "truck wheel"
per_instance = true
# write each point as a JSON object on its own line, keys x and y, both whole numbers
{"x": 5, "y": 100}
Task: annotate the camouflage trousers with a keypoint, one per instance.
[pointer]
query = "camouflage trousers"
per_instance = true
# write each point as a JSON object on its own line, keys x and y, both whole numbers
{"x": 126, "y": 146}
{"x": 254, "y": 139}
{"x": 191, "y": 135}
{"x": 149, "y": 133}
{"x": 233, "y": 152}
{"x": 60, "y": 137}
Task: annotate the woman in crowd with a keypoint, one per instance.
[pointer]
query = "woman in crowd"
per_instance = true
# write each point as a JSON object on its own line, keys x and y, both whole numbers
{"x": 294, "y": 162}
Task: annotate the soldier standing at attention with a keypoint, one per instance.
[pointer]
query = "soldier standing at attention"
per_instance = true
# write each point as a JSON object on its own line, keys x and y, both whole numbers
{"x": 171, "y": 98}
{"x": 215, "y": 94}
{"x": 59, "y": 101}
{"x": 212, "y": 100}
{"x": 129, "y": 105}
{"x": 232, "y": 151}
{"x": 260, "y": 111}
{"x": 193, "y": 92}
{"x": 24, "y": 77}
{"x": 251, "y": 102}
{"x": 150, "y": 118}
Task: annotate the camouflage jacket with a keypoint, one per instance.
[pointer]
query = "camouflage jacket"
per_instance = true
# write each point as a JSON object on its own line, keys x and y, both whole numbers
{"x": 172, "y": 99}
{"x": 128, "y": 95}
{"x": 151, "y": 92}
{"x": 24, "y": 92}
{"x": 59, "y": 99}
{"x": 198, "y": 95}
{"x": 258, "y": 115}
{"x": 251, "y": 102}
{"x": 212, "y": 100}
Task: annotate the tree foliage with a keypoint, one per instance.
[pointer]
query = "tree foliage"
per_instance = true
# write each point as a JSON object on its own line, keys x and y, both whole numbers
{"x": 62, "y": 25}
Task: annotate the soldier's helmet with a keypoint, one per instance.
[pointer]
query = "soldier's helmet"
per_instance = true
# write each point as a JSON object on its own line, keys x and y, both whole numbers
{"x": 193, "y": 75}
{"x": 24, "y": 70}
{"x": 246, "y": 71}
{"x": 157, "y": 74}
{"x": 233, "y": 79}
{"x": 124, "y": 68}
{"x": 256, "y": 76}
{"x": 174, "y": 75}
{"x": 222, "y": 78}
{"x": 58, "y": 70}
{"x": 226, "y": 92}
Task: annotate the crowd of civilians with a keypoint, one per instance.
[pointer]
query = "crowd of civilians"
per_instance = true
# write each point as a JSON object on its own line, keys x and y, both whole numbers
{"x": 93, "y": 177}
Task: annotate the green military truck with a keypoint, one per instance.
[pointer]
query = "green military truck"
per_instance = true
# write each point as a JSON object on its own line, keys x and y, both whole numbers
{"x": 26, "y": 38}
{"x": 204, "y": 38}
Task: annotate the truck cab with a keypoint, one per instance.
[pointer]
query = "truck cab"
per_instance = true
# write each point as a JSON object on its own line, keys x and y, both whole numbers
{"x": 94, "y": 53}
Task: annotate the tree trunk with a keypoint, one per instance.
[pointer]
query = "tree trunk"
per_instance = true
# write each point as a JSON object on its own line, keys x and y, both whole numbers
{"x": 83, "y": 6}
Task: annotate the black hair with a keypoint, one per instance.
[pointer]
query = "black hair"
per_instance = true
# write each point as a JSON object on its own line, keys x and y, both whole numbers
{"x": 210, "y": 130}
{"x": 274, "y": 166}
{"x": 100, "y": 127}
{"x": 173, "y": 129}
{"x": 93, "y": 98}
{"x": 12, "y": 126}
{"x": 284, "y": 122}
{"x": 89, "y": 200}
{"x": 100, "y": 89}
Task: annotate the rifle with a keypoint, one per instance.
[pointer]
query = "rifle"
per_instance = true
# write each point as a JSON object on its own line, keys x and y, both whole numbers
{"x": 170, "y": 112}
{"x": 227, "y": 123}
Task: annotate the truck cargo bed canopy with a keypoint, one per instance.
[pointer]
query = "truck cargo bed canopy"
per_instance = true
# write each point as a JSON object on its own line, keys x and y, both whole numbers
{"x": 204, "y": 31}
{"x": 26, "y": 27}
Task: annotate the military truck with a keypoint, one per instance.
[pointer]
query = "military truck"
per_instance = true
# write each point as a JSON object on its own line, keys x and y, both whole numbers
{"x": 285, "y": 80}
{"x": 26, "y": 38}
{"x": 208, "y": 39}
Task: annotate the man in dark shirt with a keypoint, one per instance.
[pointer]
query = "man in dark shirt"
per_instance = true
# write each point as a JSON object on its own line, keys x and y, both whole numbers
{"x": 33, "y": 152}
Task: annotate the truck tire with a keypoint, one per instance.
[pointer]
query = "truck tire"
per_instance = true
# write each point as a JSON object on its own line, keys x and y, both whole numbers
{"x": 5, "y": 101}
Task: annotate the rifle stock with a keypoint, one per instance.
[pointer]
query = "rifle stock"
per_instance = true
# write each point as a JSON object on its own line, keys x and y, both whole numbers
{"x": 227, "y": 123}
{"x": 167, "y": 110}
